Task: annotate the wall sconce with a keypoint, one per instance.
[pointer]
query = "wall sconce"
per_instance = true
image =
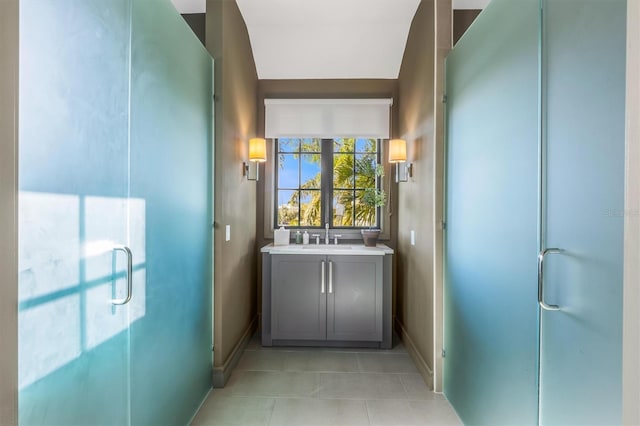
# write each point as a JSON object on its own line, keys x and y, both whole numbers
{"x": 398, "y": 156}
{"x": 257, "y": 155}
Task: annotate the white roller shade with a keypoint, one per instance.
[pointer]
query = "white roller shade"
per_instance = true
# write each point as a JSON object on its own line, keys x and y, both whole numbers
{"x": 327, "y": 118}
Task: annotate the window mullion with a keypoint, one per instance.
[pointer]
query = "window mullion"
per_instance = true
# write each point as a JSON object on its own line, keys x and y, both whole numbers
{"x": 355, "y": 186}
{"x": 300, "y": 183}
{"x": 379, "y": 183}
{"x": 327, "y": 181}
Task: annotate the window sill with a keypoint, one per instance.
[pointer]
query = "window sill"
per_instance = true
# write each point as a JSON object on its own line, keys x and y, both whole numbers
{"x": 345, "y": 234}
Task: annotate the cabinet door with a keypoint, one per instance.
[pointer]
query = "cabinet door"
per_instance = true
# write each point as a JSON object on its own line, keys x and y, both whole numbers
{"x": 354, "y": 298}
{"x": 298, "y": 297}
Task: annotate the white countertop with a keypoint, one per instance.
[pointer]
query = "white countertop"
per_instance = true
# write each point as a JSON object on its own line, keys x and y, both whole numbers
{"x": 340, "y": 249}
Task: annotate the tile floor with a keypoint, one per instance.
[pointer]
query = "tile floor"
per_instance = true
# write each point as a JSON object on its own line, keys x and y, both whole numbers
{"x": 322, "y": 386}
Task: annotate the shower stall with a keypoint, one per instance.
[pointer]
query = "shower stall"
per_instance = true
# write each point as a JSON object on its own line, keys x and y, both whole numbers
{"x": 115, "y": 213}
{"x": 535, "y": 211}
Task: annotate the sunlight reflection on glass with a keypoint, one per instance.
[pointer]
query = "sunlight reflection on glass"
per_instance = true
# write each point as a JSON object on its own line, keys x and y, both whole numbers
{"x": 49, "y": 243}
{"x": 69, "y": 274}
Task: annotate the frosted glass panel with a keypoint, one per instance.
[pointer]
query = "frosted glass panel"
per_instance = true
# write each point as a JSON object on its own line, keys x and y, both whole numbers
{"x": 73, "y": 343}
{"x": 490, "y": 338}
{"x": 171, "y": 97}
{"x": 585, "y": 92}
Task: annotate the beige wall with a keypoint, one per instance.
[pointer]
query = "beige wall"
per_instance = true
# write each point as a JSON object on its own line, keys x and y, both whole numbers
{"x": 334, "y": 89}
{"x": 421, "y": 86}
{"x": 8, "y": 212}
{"x": 235, "y": 197}
{"x": 462, "y": 20}
{"x": 631, "y": 337}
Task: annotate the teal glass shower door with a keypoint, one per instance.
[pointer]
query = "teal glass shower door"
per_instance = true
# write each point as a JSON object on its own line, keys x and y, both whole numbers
{"x": 73, "y": 212}
{"x": 491, "y": 239}
{"x": 535, "y": 170}
{"x": 583, "y": 116}
{"x": 115, "y": 218}
{"x": 170, "y": 184}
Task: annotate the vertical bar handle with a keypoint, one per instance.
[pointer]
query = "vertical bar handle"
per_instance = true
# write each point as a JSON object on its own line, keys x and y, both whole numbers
{"x": 330, "y": 276}
{"x": 322, "y": 277}
{"x": 126, "y": 250}
{"x": 541, "y": 301}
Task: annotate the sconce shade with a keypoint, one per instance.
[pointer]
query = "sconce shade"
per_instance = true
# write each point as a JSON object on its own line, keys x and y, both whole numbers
{"x": 397, "y": 151}
{"x": 258, "y": 150}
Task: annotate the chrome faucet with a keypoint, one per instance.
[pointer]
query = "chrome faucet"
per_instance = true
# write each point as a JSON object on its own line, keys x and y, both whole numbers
{"x": 326, "y": 234}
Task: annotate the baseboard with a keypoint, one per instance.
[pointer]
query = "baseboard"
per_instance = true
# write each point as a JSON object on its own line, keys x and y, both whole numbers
{"x": 221, "y": 375}
{"x": 423, "y": 367}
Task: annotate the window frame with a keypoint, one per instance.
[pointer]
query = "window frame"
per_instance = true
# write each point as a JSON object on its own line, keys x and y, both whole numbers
{"x": 327, "y": 157}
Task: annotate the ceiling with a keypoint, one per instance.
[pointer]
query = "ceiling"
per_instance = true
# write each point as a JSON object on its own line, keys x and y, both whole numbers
{"x": 294, "y": 39}
{"x": 324, "y": 39}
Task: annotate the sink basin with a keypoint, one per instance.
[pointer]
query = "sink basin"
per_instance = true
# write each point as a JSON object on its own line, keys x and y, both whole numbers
{"x": 326, "y": 247}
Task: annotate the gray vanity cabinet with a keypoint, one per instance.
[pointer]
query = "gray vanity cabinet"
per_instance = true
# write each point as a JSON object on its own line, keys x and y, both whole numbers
{"x": 298, "y": 297}
{"x": 354, "y": 299}
{"x": 318, "y": 298}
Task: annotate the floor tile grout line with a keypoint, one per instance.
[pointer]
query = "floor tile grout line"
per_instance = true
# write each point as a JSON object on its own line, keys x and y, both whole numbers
{"x": 366, "y": 405}
{"x": 314, "y": 398}
{"x": 382, "y": 353}
{"x": 317, "y": 388}
{"x": 273, "y": 408}
{"x": 406, "y": 392}
{"x": 377, "y": 373}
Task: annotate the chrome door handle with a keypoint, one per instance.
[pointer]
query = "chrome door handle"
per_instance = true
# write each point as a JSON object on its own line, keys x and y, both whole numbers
{"x": 541, "y": 301}
{"x": 126, "y": 300}
{"x": 322, "y": 278}
{"x": 330, "y": 277}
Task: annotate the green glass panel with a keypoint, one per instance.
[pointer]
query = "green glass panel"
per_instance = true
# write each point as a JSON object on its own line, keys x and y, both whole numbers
{"x": 343, "y": 208}
{"x": 491, "y": 322}
{"x": 288, "y": 145}
{"x": 73, "y": 342}
{"x": 581, "y": 344}
{"x": 288, "y": 208}
{"x": 171, "y": 143}
{"x": 310, "y": 171}
{"x": 344, "y": 171}
{"x": 366, "y": 145}
{"x": 310, "y": 207}
{"x": 310, "y": 145}
{"x": 289, "y": 171}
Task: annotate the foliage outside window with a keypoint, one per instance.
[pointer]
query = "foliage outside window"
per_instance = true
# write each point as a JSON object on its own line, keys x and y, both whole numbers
{"x": 333, "y": 181}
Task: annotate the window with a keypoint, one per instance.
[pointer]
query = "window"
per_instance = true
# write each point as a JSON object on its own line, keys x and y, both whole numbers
{"x": 320, "y": 181}
{"x": 299, "y": 182}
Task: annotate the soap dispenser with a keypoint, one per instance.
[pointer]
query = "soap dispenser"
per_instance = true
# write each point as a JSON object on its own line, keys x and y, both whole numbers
{"x": 305, "y": 238}
{"x": 298, "y": 237}
{"x": 281, "y": 237}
